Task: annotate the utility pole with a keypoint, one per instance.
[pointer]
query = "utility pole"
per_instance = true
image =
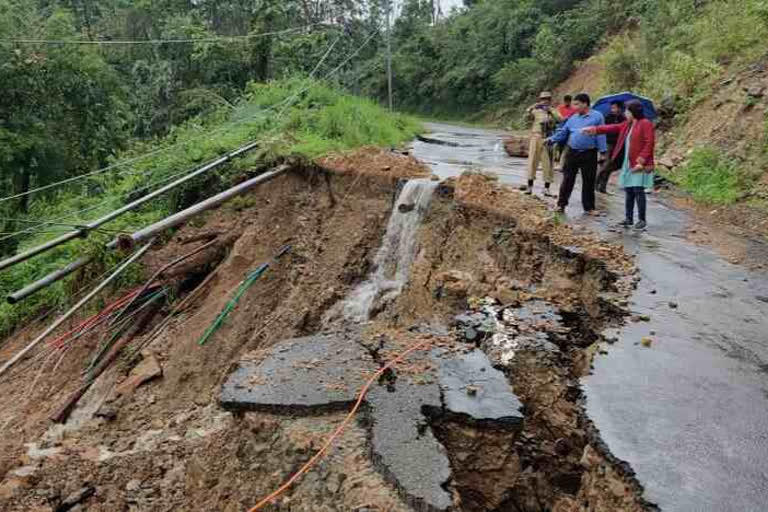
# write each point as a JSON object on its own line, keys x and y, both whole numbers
{"x": 389, "y": 52}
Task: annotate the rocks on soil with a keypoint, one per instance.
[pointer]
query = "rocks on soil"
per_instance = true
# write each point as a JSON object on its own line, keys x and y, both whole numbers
{"x": 148, "y": 369}
{"x": 517, "y": 145}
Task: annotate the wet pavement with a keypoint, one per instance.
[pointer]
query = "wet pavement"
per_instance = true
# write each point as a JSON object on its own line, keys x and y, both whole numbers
{"x": 690, "y": 412}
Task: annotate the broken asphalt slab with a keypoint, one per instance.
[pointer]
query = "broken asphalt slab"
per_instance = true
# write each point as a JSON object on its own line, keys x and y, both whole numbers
{"x": 305, "y": 375}
{"x": 688, "y": 414}
{"x": 301, "y": 376}
{"x": 477, "y": 392}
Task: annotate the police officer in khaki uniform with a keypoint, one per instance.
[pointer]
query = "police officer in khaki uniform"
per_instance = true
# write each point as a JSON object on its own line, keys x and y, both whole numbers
{"x": 545, "y": 119}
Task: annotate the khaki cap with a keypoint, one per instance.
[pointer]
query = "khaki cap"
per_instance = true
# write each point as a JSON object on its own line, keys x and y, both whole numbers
{"x": 546, "y": 95}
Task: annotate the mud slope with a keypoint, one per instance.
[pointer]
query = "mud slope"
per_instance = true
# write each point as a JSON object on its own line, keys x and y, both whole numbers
{"x": 485, "y": 254}
{"x": 333, "y": 224}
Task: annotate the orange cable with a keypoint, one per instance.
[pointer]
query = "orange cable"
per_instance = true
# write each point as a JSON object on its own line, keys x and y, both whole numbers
{"x": 340, "y": 429}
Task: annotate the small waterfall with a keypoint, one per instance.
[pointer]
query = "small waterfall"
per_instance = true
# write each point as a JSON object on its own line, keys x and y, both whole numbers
{"x": 396, "y": 254}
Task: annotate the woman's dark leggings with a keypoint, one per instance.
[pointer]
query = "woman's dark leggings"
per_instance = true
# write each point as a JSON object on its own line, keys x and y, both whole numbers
{"x": 635, "y": 194}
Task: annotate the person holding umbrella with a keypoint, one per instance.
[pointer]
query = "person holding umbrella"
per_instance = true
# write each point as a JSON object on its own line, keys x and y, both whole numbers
{"x": 637, "y": 138}
{"x": 616, "y": 116}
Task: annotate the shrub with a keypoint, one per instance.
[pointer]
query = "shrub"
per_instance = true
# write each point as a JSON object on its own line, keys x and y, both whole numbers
{"x": 709, "y": 176}
{"x": 318, "y": 119}
{"x": 623, "y": 65}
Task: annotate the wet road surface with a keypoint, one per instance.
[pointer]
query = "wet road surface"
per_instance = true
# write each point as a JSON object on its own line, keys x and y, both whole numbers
{"x": 690, "y": 413}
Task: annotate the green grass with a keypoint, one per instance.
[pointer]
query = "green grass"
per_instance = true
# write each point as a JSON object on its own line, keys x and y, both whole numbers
{"x": 710, "y": 177}
{"x": 317, "y": 120}
{"x": 680, "y": 50}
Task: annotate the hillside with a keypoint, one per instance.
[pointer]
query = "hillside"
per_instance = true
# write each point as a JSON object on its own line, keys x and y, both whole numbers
{"x": 234, "y": 276}
{"x": 709, "y": 77}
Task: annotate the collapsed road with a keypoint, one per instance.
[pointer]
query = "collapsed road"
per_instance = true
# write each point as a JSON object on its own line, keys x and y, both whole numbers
{"x": 455, "y": 316}
{"x": 689, "y": 413}
{"x": 465, "y": 309}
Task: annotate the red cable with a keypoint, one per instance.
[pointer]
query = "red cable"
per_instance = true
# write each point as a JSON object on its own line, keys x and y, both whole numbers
{"x": 340, "y": 429}
{"x": 90, "y": 321}
{"x": 59, "y": 342}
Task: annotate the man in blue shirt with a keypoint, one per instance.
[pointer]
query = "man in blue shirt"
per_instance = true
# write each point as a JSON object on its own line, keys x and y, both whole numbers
{"x": 582, "y": 153}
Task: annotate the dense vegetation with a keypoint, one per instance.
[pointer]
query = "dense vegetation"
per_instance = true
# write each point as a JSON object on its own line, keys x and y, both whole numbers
{"x": 200, "y": 77}
{"x": 680, "y": 47}
{"x": 67, "y": 109}
{"x": 318, "y": 120}
{"x": 677, "y": 53}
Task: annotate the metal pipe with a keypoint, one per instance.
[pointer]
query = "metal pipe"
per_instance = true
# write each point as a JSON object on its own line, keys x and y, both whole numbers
{"x": 83, "y": 231}
{"x": 149, "y": 231}
{"x": 63, "y": 318}
{"x": 212, "y": 202}
{"x": 47, "y": 280}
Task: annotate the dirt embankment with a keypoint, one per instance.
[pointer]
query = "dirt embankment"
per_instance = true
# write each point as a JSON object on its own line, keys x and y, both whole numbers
{"x": 484, "y": 249}
{"x": 333, "y": 224}
{"x": 732, "y": 119}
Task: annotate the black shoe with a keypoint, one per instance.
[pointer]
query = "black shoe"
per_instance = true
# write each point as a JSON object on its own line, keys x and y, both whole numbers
{"x": 547, "y": 193}
{"x": 522, "y": 188}
{"x": 529, "y": 192}
{"x": 626, "y": 224}
{"x": 602, "y": 190}
{"x": 641, "y": 225}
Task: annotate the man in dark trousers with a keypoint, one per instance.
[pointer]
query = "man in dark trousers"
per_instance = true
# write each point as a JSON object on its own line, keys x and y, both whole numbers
{"x": 615, "y": 117}
{"x": 582, "y": 153}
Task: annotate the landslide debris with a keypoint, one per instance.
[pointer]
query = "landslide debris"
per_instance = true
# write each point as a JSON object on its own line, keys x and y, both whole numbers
{"x": 489, "y": 261}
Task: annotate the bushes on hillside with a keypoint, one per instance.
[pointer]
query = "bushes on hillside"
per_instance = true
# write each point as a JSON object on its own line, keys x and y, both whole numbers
{"x": 713, "y": 177}
{"x": 680, "y": 47}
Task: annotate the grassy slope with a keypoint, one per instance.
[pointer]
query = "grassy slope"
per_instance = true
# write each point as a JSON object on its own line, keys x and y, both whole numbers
{"x": 312, "y": 119}
{"x": 682, "y": 55}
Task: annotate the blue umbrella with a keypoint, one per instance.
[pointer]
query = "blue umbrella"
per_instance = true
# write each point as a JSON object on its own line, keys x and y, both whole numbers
{"x": 603, "y": 105}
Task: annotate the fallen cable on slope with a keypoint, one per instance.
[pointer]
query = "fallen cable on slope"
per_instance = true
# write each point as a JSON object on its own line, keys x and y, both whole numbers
{"x": 249, "y": 281}
{"x": 64, "y": 341}
{"x": 61, "y": 415}
{"x": 63, "y": 318}
{"x": 152, "y": 230}
{"x": 340, "y": 429}
{"x": 159, "y": 273}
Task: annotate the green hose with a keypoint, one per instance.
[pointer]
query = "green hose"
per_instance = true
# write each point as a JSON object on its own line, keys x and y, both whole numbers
{"x": 249, "y": 281}
{"x": 244, "y": 286}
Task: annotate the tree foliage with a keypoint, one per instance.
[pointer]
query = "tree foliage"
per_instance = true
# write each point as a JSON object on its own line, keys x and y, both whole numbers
{"x": 493, "y": 53}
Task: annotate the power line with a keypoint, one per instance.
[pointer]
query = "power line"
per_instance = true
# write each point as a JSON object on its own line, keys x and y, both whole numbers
{"x": 284, "y": 103}
{"x": 158, "y": 151}
{"x": 106, "y": 42}
{"x": 311, "y": 75}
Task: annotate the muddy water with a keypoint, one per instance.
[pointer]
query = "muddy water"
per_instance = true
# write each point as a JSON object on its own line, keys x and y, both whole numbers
{"x": 396, "y": 254}
{"x": 689, "y": 414}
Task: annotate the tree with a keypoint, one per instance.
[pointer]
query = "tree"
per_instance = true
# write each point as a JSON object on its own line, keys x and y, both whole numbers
{"x": 62, "y": 109}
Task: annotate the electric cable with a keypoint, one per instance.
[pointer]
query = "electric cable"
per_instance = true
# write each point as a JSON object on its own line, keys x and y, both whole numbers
{"x": 107, "y": 42}
{"x": 321, "y": 453}
{"x": 138, "y": 158}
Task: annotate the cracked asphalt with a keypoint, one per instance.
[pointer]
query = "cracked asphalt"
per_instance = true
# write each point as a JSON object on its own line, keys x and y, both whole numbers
{"x": 689, "y": 413}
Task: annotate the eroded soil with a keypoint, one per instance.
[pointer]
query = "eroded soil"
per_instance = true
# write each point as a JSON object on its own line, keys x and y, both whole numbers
{"x": 483, "y": 250}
